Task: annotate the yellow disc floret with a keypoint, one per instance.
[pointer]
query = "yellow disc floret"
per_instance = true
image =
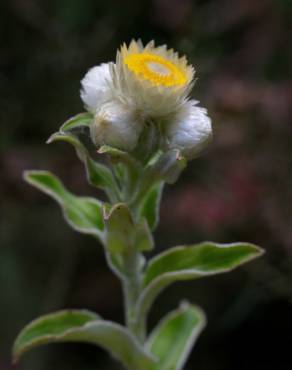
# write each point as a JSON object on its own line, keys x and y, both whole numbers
{"x": 156, "y": 69}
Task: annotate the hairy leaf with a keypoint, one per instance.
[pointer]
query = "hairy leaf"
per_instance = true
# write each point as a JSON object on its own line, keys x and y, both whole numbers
{"x": 83, "y": 214}
{"x": 80, "y": 120}
{"x": 83, "y": 326}
{"x": 98, "y": 175}
{"x": 124, "y": 237}
{"x": 151, "y": 205}
{"x": 174, "y": 337}
{"x": 192, "y": 262}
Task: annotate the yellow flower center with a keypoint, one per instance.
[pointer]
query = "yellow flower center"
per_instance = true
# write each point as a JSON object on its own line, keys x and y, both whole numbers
{"x": 156, "y": 69}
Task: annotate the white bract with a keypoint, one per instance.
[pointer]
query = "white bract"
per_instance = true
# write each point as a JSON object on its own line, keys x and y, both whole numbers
{"x": 145, "y": 84}
{"x": 189, "y": 130}
{"x": 95, "y": 87}
{"x": 117, "y": 126}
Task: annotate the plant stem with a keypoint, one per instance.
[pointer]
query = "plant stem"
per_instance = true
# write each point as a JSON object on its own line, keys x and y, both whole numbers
{"x": 132, "y": 288}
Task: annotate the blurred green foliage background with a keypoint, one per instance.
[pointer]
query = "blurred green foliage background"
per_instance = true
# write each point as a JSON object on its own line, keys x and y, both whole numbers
{"x": 241, "y": 189}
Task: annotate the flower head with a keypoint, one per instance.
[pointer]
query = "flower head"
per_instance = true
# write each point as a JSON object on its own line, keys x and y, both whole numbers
{"x": 145, "y": 84}
{"x": 116, "y": 126}
{"x": 153, "y": 80}
{"x": 189, "y": 130}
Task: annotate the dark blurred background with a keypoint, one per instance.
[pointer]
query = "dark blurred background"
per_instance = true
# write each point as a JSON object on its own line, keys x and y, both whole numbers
{"x": 241, "y": 189}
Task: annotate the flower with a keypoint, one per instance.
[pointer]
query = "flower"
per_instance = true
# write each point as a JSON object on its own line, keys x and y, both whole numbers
{"x": 189, "y": 130}
{"x": 116, "y": 126}
{"x": 153, "y": 80}
{"x": 145, "y": 84}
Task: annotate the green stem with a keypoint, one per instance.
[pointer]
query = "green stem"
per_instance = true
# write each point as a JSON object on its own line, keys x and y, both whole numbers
{"x": 132, "y": 289}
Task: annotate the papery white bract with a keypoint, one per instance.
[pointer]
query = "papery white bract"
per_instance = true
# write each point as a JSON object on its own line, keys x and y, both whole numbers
{"x": 95, "y": 87}
{"x": 117, "y": 126}
{"x": 189, "y": 130}
{"x": 145, "y": 84}
{"x": 153, "y": 80}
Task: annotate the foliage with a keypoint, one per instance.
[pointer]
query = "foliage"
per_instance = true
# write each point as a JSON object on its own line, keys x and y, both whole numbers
{"x": 123, "y": 225}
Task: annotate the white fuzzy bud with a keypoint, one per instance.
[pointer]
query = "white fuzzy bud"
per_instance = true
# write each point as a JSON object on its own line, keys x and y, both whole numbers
{"x": 95, "y": 87}
{"x": 117, "y": 126}
{"x": 189, "y": 130}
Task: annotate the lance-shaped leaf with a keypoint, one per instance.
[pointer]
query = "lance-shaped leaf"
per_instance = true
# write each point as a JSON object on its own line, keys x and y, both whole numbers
{"x": 83, "y": 326}
{"x": 150, "y": 206}
{"x": 173, "y": 339}
{"x": 192, "y": 262}
{"x": 83, "y": 214}
{"x": 97, "y": 174}
{"x": 80, "y": 120}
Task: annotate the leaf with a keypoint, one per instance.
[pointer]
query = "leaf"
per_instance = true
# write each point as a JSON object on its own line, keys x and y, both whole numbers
{"x": 71, "y": 139}
{"x": 83, "y": 214}
{"x": 173, "y": 339}
{"x": 83, "y": 326}
{"x": 45, "y": 328}
{"x": 123, "y": 233}
{"x": 143, "y": 237}
{"x": 167, "y": 166}
{"x": 124, "y": 237}
{"x": 151, "y": 205}
{"x": 118, "y": 156}
{"x": 192, "y": 262}
{"x": 163, "y": 167}
{"x": 80, "y": 120}
{"x": 98, "y": 175}
{"x": 119, "y": 226}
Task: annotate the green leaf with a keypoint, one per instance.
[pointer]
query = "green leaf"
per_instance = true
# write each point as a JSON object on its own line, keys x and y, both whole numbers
{"x": 192, "y": 262}
{"x": 119, "y": 226}
{"x": 151, "y": 205}
{"x": 173, "y": 339}
{"x": 83, "y": 214}
{"x": 163, "y": 167}
{"x": 98, "y": 175}
{"x": 80, "y": 120}
{"x": 167, "y": 166}
{"x": 71, "y": 139}
{"x": 123, "y": 233}
{"x": 118, "y": 156}
{"x": 46, "y": 328}
{"x": 143, "y": 239}
{"x": 83, "y": 326}
{"x": 124, "y": 237}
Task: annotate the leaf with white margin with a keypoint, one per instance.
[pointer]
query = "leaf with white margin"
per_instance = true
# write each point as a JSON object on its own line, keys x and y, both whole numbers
{"x": 83, "y": 214}
{"x": 174, "y": 337}
{"x": 167, "y": 166}
{"x": 80, "y": 120}
{"x": 118, "y": 155}
{"x": 163, "y": 167}
{"x": 83, "y": 326}
{"x": 98, "y": 175}
{"x": 124, "y": 237}
{"x": 123, "y": 233}
{"x": 192, "y": 262}
{"x": 150, "y": 206}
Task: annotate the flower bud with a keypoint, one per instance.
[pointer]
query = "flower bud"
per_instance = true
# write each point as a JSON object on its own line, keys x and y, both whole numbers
{"x": 95, "y": 87}
{"x": 116, "y": 126}
{"x": 189, "y": 130}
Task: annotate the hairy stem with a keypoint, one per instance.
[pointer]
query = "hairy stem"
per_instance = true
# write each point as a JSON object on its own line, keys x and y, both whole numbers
{"x": 132, "y": 289}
